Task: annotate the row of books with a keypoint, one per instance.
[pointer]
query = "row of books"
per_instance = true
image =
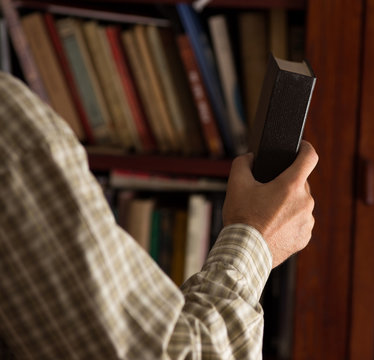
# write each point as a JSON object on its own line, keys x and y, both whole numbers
{"x": 177, "y": 231}
{"x": 146, "y": 87}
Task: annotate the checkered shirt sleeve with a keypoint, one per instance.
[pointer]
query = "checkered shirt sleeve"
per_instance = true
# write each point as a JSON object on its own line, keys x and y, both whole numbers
{"x": 74, "y": 285}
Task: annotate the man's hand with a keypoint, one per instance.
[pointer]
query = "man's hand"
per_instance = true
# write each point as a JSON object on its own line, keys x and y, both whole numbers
{"x": 281, "y": 210}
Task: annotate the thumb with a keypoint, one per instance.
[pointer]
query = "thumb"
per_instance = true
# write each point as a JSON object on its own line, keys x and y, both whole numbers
{"x": 303, "y": 165}
{"x": 242, "y": 167}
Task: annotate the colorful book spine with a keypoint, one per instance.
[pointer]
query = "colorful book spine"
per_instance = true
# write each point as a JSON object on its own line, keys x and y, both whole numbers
{"x": 206, "y": 63}
{"x": 141, "y": 78}
{"x": 158, "y": 95}
{"x": 60, "y": 52}
{"x": 129, "y": 88}
{"x": 227, "y": 72}
{"x": 205, "y": 112}
{"x": 88, "y": 86}
{"x": 50, "y": 71}
{"x": 166, "y": 81}
{"x": 108, "y": 82}
{"x": 22, "y": 48}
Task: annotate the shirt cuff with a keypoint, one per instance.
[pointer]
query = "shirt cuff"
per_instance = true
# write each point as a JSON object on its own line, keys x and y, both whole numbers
{"x": 243, "y": 248}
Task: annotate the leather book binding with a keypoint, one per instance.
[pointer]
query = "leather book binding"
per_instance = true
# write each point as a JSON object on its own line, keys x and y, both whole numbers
{"x": 280, "y": 118}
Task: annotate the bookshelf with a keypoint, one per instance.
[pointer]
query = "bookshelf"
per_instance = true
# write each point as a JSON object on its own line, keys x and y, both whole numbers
{"x": 172, "y": 165}
{"x": 332, "y": 280}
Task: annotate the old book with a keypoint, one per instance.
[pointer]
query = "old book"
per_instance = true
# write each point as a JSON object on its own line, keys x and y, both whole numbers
{"x": 137, "y": 219}
{"x": 285, "y": 97}
{"x": 142, "y": 80}
{"x": 158, "y": 95}
{"x": 254, "y": 52}
{"x": 65, "y": 67}
{"x": 86, "y": 80}
{"x": 207, "y": 118}
{"x": 155, "y": 232}
{"x": 23, "y": 50}
{"x": 129, "y": 87}
{"x": 179, "y": 246}
{"x": 175, "y": 86}
{"x": 230, "y": 85}
{"x": 5, "y": 55}
{"x": 198, "y": 234}
{"x": 110, "y": 83}
{"x": 278, "y": 33}
{"x": 50, "y": 70}
{"x": 166, "y": 239}
{"x": 206, "y": 62}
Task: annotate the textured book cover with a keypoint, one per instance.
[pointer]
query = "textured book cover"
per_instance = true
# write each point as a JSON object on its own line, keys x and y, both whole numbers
{"x": 285, "y": 97}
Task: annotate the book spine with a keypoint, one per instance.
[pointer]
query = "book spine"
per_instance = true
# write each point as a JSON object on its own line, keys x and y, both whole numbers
{"x": 82, "y": 69}
{"x": 206, "y": 116}
{"x": 179, "y": 246}
{"x": 137, "y": 66}
{"x": 129, "y": 87}
{"x": 165, "y": 81}
{"x": 229, "y": 81}
{"x": 23, "y": 50}
{"x": 106, "y": 83}
{"x": 254, "y": 52}
{"x": 50, "y": 70}
{"x": 198, "y": 234}
{"x": 154, "y": 84}
{"x": 5, "y": 60}
{"x": 56, "y": 41}
{"x": 206, "y": 63}
{"x": 278, "y": 33}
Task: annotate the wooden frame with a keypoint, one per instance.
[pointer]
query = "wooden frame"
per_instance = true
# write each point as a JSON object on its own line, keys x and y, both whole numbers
{"x": 323, "y": 295}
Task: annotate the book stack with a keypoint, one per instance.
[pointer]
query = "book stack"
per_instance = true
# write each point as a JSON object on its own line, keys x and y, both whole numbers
{"x": 137, "y": 83}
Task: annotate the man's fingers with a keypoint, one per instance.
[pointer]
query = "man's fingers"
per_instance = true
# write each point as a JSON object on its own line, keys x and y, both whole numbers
{"x": 304, "y": 163}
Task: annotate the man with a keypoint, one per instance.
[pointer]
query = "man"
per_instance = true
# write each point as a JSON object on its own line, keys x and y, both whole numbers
{"x": 75, "y": 286}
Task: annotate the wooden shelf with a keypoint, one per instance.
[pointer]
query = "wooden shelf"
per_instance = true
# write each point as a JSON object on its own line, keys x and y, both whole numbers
{"x": 291, "y": 4}
{"x": 265, "y": 4}
{"x": 170, "y": 165}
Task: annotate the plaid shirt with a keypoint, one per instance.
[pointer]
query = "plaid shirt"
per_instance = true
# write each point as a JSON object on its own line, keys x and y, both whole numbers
{"x": 74, "y": 285}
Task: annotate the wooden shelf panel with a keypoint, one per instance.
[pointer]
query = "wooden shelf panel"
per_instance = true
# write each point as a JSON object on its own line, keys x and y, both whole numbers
{"x": 292, "y": 4}
{"x": 170, "y": 165}
{"x": 244, "y": 4}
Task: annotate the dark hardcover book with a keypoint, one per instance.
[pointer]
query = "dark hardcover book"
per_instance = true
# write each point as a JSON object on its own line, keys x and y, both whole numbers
{"x": 282, "y": 110}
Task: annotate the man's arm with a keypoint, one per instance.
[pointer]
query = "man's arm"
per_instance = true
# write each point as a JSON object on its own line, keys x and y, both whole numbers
{"x": 75, "y": 286}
